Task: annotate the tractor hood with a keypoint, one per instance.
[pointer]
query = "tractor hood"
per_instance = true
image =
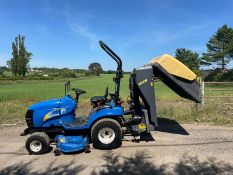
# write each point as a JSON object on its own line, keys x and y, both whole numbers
{"x": 48, "y": 104}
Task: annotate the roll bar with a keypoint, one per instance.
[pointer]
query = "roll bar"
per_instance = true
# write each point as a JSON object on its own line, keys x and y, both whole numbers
{"x": 111, "y": 54}
{"x": 119, "y": 72}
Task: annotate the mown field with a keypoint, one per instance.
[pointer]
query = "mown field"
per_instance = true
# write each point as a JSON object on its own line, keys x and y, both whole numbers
{"x": 16, "y": 96}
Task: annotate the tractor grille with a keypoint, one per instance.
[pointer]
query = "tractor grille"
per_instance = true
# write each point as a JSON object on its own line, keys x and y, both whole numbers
{"x": 29, "y": 118}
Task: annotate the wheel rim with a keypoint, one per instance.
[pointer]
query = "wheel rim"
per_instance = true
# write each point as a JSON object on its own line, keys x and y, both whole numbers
{"x": 106, "y": 135}
{"x": 35, "y": 146}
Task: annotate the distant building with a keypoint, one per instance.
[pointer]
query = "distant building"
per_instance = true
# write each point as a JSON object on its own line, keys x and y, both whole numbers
{"x": 35, "y": 70}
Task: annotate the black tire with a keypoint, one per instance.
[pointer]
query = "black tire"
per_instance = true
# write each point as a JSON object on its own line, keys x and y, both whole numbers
{"x": 38, "y": 138}
{"x": 102, "y": 124}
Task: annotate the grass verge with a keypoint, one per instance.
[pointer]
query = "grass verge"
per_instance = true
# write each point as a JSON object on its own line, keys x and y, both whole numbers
{"x": 15, "y": 97}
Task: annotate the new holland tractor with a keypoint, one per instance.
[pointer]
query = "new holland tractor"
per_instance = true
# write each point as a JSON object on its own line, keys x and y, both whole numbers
{"x": 105, "y": 125}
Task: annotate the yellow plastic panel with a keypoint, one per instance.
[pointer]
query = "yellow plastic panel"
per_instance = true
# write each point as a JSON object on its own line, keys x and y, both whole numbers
{"x": 174, "y": 67}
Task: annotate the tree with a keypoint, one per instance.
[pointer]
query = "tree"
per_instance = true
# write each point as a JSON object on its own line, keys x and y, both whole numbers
{"x": 19, "y": 63}
{"x": 219, "y": 47}
{"x": 2, "y": 70}
{"x": 189, "y": 58}
{"x": 95, "y": 68}
{"x": 67, "y": 73}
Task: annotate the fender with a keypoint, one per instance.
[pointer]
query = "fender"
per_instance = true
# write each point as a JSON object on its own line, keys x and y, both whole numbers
{"x": 103, "y": 113}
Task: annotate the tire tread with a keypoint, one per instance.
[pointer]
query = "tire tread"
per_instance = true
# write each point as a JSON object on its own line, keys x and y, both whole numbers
{"x": 38, "y": 136}
{"x": 99, "y": 122}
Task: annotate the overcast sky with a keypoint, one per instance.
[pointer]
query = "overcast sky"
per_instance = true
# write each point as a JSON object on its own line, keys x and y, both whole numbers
{"x": 65, "y": 33}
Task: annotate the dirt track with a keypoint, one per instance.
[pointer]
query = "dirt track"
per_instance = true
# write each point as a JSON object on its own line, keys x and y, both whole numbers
{"x": 186, "y": 149}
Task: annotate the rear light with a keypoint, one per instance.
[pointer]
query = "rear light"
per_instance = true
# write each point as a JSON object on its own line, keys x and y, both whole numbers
{"x": 121, "y": 101}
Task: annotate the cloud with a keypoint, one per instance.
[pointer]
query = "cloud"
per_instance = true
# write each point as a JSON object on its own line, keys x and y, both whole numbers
{"x": 77, "y": 22}
{"x": 47, "y": 8}
{"x": 78, "y": 25}
{"x": 83, "y": 31}
{"x": 42, "y": 30}
{"x": 162, "y": 36}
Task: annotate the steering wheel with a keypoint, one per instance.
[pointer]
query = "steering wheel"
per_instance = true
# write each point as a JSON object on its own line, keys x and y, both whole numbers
{"x": 78, "y": 92}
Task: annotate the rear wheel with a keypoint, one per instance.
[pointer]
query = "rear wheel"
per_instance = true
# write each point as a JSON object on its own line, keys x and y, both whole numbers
{"x": 106, "y": 134}
{"x": 38, "y": 143}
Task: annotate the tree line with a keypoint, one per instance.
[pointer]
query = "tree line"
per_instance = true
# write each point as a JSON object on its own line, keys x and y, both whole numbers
{"x": 219, "y": 51}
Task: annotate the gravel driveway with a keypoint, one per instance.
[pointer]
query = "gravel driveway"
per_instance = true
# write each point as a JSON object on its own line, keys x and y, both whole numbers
{"x": 177, "y": 149}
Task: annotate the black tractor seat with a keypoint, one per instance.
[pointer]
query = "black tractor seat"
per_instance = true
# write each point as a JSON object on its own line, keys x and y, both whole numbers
{"x": 98, "y": 101}
{"x": 97, "y": 98}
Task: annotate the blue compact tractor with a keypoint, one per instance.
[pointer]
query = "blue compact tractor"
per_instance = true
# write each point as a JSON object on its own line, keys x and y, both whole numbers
{"x": 105, "y": 125}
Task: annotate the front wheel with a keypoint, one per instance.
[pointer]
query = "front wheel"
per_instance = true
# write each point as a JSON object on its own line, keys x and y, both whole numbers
{"x": 106, "y": 134}
{"x": 38, "y": 143}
